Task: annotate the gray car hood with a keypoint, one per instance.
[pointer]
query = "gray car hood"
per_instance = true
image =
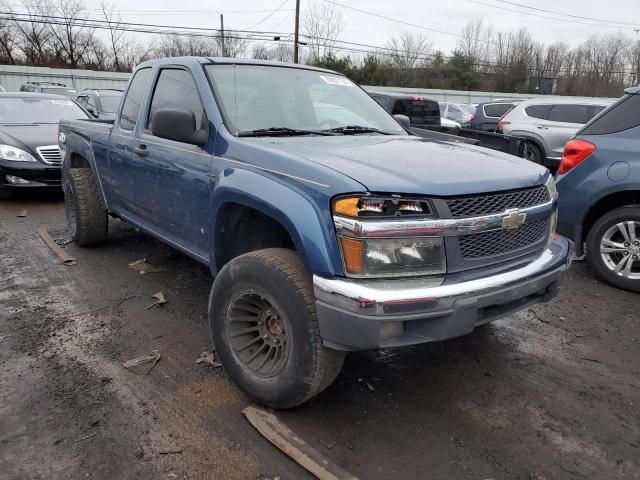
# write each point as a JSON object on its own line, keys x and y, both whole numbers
{"x": 404, "y": 164}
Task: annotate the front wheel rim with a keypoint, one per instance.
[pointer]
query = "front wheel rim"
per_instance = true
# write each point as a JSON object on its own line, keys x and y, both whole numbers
{"x": 259, "y": 333}
{"x": 620, "y": 249}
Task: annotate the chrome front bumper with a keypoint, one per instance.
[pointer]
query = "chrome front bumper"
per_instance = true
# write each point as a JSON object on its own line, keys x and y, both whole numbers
{"x": 366, "y": 314}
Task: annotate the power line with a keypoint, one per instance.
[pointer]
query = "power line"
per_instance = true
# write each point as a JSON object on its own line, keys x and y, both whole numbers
{"x": 546, "y": 17}
{"x": 566, "y": 14}
{"x": 273, "y": 12}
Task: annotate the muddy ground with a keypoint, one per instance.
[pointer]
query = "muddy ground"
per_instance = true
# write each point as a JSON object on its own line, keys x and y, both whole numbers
{"x": 550, "y": 393}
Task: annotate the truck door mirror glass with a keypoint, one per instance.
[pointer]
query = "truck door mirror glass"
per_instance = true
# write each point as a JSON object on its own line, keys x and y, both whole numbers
{"x": 403, "y": 120}
{"x": 180, "y": 126}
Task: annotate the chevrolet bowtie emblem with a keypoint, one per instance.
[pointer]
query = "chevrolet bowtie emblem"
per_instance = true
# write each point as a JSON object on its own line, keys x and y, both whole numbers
{"x": 513, "y": 219}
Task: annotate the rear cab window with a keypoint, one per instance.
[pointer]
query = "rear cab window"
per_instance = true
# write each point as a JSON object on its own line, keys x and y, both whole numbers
{"x": 134, "y": 98}
{"x": 622, "y": 115}
{"x": 420, "y": 111}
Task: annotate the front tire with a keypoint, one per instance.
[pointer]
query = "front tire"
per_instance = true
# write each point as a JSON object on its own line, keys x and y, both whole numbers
{"x": 613, "y": 248}
{"x": 5, "y": 193}
{"x": 265, "y": 331}
{"x": 86, "y": 212}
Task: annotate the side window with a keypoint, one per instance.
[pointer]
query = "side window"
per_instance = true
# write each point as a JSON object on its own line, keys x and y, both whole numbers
{"x": 569, "y": 113}
{"x": 133, "y": 100}
{"x": 176, "y": 89}
{"x": 402, "y": 107}
{"x": 595, "y": 110}
{"x": 622, "y": 115}
{"x": 91, "y": 103}
{"x": 82, "y": 100}
{"x": 538, "y": 111}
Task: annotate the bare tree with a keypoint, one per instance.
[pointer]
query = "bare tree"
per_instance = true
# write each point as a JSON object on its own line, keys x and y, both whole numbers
{"x": 72, "y": 35}
{"x": 119, "y": 45}
{"x": 476, "y": 41}
{"x": 322, "y": 24}
{"x": 7, "y": 39}
{"x": 260, "y": 52}
{"x": 234, "y": 45}
{"x": 34, "y": 33}
{"x": 409, "y": 51}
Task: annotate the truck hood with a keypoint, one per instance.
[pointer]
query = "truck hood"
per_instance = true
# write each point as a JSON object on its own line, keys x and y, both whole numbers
{"x": 412, "y": 165}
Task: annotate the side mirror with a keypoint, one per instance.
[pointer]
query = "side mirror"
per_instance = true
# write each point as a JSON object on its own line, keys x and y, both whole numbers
{"x": 92, "y": 111}
{"x": 179, "y": 125}
{"x": 403, "y": 120}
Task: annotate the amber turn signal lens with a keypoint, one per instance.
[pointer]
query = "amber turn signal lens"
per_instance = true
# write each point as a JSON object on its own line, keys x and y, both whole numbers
{"x": 347, "y": 207}
{"x": 352, "y": 251}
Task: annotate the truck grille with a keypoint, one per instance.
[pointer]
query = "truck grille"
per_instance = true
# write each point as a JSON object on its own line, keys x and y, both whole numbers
{"x": 497, "y": 202}
{"x": 502, "y": 241}
{"x": 50, "y": 154}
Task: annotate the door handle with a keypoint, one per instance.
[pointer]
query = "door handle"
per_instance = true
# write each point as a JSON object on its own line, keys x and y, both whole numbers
{"x": 540, "y": 127}
{"x": 141, "y": 150}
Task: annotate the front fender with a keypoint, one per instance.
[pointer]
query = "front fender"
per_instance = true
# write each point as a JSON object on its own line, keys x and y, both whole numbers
{"x": 306, "y": 218}
{"x": 77, "y": 144}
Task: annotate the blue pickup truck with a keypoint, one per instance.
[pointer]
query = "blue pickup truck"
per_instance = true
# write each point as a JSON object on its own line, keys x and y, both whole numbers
{"x": 327, "y": 226}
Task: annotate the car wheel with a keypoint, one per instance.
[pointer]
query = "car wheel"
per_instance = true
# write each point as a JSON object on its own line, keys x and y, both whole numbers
{"x": 613, "y": 248}
{"x": 265, "y": 331}
{"x": 533, "y": 153}
{"x": 85, "y": 209}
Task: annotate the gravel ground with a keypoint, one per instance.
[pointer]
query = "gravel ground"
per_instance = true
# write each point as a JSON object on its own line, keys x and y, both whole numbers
{"x": 549, "y": 393}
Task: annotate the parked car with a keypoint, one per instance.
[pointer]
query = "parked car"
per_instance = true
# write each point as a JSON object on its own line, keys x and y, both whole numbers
{"x": 548, "y": 123}
{"x": 101, "y": 103}
{"x": 457, "y": 112}
{"x": 29, "y": 152}
{"x": 599, "y": 185}
{"x": 489, "y": 113}
{"x": 422, "y": 112}
{"x": 323, "y": 237}
{"x": 48, "y": 87}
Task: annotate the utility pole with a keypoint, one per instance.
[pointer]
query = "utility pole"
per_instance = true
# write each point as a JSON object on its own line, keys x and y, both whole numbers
{"x": 224, "y": 53}
{"x": 296, "y": 31}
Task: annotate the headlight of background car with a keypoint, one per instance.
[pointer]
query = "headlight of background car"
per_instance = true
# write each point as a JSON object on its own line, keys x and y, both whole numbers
{"x": 551, "y": 187}
{"x": 388, "y": 257}
{"x": 8, "y": 152}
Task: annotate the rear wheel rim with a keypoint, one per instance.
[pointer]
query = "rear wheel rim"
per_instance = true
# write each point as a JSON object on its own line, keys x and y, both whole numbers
{"x": 620, "y": 249}
{"x": 259, "y": 332}
{"x": 70, "y": 209}
{"x": 531, "y": 155}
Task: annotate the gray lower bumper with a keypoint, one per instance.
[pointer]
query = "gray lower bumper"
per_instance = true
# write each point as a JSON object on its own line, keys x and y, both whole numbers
{"x": 367, "y": 314}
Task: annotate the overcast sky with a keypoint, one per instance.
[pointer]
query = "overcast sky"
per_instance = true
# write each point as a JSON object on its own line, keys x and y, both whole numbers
{"x": 445, "y": 15}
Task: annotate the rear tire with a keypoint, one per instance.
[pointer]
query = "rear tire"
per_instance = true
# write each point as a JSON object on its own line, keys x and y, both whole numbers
{"x": 86, "y": 212}
{"x": 263, "y": 302}
{"x": 607, "y": 232}
{"x": 533, "y": 153}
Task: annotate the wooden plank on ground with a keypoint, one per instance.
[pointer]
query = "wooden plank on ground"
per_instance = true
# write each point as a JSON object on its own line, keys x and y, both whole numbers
{"x": 64, "y": 257}
{"x": 287, "y": 441}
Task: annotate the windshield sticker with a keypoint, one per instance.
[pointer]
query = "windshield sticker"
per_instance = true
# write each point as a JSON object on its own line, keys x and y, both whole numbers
{"x": 61, "y": 102}
{"x": 332, "y": 80}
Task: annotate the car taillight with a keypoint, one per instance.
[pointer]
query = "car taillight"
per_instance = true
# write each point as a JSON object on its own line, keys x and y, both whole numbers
{"x": 473, "y": 117}
{"x": 501, "y": 124}
{"x": 575, "y": 151}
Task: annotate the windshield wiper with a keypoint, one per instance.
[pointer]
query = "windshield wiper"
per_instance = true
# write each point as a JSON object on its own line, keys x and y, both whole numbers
{"x": 356, "y": 129}
{"x": 281, "y": 131}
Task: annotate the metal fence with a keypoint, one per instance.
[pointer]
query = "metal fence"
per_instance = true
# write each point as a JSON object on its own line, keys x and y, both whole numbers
{"x": 459, "y": 96}
{"x": 12, "y": 77}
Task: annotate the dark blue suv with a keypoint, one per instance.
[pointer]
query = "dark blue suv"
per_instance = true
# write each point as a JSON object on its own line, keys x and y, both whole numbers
{"x": 599, "y": 185}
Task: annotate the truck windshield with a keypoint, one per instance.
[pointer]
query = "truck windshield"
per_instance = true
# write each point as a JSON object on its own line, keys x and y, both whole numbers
{"x": 259, "y": 97}
{"x": 33, "y": 110}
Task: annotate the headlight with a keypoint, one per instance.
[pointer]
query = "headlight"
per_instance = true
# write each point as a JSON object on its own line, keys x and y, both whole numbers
{"x": 14, "y": 154}
{"x": 380, "y": 207}
{"x": 551, "y": 187}
{"x": 387, "y": 257}
{"x": 393, "y": 257}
